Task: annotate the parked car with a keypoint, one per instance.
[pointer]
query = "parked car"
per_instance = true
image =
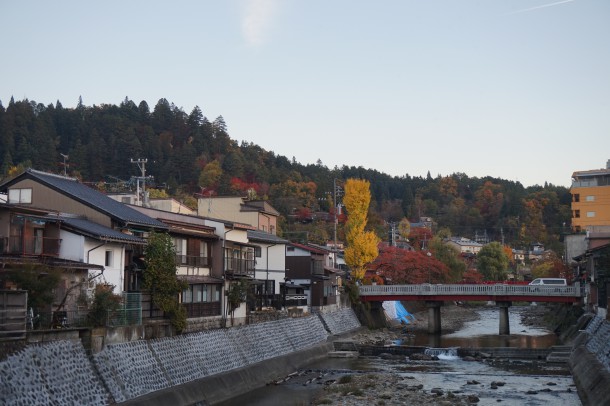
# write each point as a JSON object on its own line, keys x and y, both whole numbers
{"x": 549, "y": 282}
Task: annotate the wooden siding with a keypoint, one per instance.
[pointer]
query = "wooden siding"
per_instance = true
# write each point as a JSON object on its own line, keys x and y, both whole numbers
{"x": 43, "y": 196}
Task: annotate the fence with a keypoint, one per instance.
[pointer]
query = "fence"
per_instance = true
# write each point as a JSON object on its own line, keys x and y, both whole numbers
{"x": 129, "y": 313}
{"x": 13, "y": 315}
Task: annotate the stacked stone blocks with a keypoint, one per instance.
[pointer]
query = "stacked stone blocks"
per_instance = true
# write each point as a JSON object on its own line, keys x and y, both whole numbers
{"x": 60, "y": 372}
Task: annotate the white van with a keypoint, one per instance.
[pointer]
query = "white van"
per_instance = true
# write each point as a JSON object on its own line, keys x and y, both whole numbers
{"x": 549, "y": 282}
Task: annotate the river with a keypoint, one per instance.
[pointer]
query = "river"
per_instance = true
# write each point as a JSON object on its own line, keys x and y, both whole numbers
{"x": 508, "y": 382}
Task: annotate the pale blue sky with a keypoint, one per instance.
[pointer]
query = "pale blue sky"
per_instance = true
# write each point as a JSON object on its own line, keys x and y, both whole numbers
{"x": 516, "y": 89}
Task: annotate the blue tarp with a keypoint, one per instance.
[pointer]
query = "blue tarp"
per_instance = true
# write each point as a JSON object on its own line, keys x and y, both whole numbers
{"x": 396, "y": 311}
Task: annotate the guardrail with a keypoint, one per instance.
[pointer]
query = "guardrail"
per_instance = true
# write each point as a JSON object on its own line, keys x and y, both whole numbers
{"x": 470, "y": 290}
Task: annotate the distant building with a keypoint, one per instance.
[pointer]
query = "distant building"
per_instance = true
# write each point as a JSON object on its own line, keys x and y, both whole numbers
{"x": 464, "y": 245}
{"x": 168, "y": 204}
{"x": 590, "y": 196}
{"x": 257, "y": 213}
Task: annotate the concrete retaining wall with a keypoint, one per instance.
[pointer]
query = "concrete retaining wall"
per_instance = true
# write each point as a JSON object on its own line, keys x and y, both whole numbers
{"x": 340, "y": 321}
{"x": 590, "y": 362}
{"x": 208, "y": 366}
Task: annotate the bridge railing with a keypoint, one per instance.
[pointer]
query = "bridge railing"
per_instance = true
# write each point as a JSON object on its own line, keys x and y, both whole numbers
{"x": 470, "y": 290}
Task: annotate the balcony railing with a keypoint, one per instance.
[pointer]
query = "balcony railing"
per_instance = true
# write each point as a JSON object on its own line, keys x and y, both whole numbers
{"x": 206, "y": 309}
{"x": 235, "y": 266}
{"x": 193, "y": 260}
{"x": 34, "y": 245}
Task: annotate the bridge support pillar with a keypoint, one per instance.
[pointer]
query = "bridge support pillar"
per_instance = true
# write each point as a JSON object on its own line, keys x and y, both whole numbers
{"x": 434, "y": 317}
{"x": 504, "y": 324}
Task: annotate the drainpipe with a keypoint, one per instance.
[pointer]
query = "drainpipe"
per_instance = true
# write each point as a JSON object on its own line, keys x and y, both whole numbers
{"x": 267, "y": 269}
{"x": 88, "y": 253}
{"x": 223, "y": 303}
{"x": 94, "y": 248}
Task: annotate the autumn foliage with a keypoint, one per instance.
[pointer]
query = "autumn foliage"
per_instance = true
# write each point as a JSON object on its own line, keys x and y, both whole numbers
{"x": 400, "y": 266}
{"x": 420, "y": 237}
{"x": 361, "y": 244}
{"x": 551, "y": 266}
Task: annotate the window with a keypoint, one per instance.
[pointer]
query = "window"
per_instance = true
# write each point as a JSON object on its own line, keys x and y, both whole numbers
{"x": 576, "y": 197}
{"x": 180, "y": 246}
{"x": 590, "y": 198}
{"x": 270, "y": 287}
{"x": 198, "y": 293}
{"x": 258, "y": 252}
{"x": 108, "y": 261}
{"x": 576, "y": 213}
{"x": 20, "y": 195}
{"x": 187, "y": 295}
{"x": 201, "y": 293}
{"x": 590, "y": 214}
{"x": 203, "y": 249}
{"x": 38, "y": 241}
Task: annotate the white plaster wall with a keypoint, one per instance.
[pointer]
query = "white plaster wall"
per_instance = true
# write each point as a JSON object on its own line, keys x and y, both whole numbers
{"x": 72, "y": 246}
{"x": 237, "y": 236}
{"x": 113, "y": 273}
{"x": 297, "y": 252}
{"x": 276, "y": 264}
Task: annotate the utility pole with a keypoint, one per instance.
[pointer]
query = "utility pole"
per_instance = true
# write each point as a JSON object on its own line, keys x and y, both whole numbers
{"x": 337, "y": 191}
{"x": 142, "y": 165}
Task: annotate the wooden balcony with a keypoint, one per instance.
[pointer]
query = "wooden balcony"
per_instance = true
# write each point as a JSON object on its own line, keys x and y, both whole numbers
{"x": 239, "y": 267}
{"x": 31, "y": 246}
{"x": 193, "y": 260}
{"x": 203, "y": 309}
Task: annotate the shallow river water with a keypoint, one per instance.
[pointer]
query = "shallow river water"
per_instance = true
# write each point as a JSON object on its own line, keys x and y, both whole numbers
{"x": 523, "y": 382}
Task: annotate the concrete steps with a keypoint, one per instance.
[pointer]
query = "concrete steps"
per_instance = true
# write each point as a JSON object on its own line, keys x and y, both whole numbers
{"x": 343, "y": 354}
{"x": 560, "y": 354}
{"x": 344, "y": 349}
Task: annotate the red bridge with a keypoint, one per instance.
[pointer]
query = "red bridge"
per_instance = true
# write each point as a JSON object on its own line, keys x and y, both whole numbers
{"x": 502, "y": 294}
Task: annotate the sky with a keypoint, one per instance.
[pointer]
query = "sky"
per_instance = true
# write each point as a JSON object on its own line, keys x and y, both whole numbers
{"x": 513, "y": 89}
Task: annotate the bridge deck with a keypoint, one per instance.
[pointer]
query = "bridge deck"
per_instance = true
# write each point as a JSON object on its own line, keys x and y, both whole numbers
{"x": 464, "y": 292}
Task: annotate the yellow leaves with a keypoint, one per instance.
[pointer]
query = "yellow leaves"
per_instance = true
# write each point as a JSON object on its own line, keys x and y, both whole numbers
{"x": 210, "y": 175}
{"x": 361, "y": 245}
{"x": 357, "y": 199}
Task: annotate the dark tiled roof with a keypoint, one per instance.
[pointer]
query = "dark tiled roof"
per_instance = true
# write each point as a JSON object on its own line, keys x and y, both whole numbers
{"x": 99, "y": 231}
{"x": 261, "y": 236}
{"x": 91, "y": 197}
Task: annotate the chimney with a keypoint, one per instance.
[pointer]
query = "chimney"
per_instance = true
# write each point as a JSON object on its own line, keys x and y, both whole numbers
{"x": 608, "y": 164}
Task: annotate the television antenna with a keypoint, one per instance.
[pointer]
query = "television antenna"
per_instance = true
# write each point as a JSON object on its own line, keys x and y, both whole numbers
{"x": 65, "y": 164}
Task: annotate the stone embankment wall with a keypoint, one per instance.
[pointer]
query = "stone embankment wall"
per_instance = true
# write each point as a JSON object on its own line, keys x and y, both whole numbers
{"x": 61, "y": 372}
{"x": 590, "y": 361}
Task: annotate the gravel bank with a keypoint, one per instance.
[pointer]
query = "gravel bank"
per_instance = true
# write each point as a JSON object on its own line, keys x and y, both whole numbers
{"x": 385, "y": 389}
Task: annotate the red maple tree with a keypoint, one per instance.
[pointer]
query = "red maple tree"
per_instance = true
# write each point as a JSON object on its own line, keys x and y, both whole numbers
{"x": 400, "y": 266}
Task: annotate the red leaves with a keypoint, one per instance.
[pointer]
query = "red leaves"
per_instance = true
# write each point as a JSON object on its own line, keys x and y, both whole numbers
{"x": 400, "y": 266}
{"x": 420, "y": 237}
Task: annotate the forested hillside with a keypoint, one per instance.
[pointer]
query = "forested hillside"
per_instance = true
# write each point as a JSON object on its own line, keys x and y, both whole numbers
{"x": 188, "y": 156}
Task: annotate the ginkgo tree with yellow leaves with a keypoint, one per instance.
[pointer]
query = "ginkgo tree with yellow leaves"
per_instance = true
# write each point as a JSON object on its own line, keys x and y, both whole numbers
{"x": 361, "y": 248}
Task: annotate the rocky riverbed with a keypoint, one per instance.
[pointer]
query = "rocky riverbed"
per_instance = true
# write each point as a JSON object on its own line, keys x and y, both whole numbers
{"x": 390, "y": 388}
